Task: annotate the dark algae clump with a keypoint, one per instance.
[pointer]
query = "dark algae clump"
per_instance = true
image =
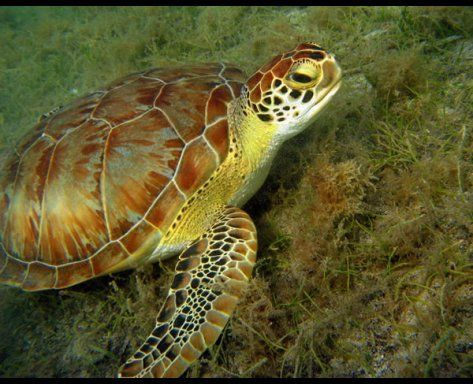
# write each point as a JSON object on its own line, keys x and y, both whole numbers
{"x": 365, "y": 223}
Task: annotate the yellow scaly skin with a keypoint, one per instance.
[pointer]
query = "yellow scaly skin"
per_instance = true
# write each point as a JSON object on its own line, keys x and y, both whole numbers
{"x": 250, "y": 154}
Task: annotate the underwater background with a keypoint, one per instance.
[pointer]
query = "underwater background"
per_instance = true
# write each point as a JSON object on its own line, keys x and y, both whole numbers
{"x": 365, "y": 224}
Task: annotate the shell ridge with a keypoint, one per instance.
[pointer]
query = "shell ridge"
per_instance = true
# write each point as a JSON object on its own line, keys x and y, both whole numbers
{"x": 103, "y": 182}
{"x": 220, "y": 74}
{"x": 217, "y": 157}
{"x": 173, "y": 126}
{"x": 43, "y": 197}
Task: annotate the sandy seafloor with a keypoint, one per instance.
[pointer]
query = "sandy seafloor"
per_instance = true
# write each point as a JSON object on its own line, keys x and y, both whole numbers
{"x": 365, "y": 222}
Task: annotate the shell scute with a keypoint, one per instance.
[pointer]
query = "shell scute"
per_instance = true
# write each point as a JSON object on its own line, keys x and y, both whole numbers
{"x": 133, "y": 178}
{"x": 14, "y": 271}
{"x": 217, "y": 136}
{"x": 164, "y": 210}
{"x": 23, "y": 219}
{"x": 185, "y": 110}
{"x": 197, "y": 164}
{"x": 139, "y": 236}
{"x": 128, "y": 101}
{"x": 217, "y": 104}
{"x": 72, "y": 217}
{"x": 73, "y": 273}
{"x": 107, "y": 257}
{"x": 39, "y": 276}
{"x": 72, "y": 116}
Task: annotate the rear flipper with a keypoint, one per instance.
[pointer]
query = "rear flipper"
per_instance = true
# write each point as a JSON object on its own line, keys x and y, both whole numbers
{"x": 210, "y": 278}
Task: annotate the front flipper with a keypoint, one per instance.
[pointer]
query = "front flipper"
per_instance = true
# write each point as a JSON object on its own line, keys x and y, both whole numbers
{"x": 210, "y": 278}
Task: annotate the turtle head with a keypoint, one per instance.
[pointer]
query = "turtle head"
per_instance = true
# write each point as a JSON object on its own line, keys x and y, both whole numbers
{"x": 290, "y": 90}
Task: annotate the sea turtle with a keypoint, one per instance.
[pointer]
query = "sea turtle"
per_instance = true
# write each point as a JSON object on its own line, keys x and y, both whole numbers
{"x": 154, "y": 165}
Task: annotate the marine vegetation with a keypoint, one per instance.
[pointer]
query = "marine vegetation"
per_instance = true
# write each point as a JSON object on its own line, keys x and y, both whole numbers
{"x": 365, "y": 230}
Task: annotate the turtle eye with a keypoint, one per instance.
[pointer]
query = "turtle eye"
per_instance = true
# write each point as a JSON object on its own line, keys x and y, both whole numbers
{"x": 300, "y": 78}
{"x": 303, "y": 76}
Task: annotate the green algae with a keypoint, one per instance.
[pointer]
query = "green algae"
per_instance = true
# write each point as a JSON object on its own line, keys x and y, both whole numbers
{"x": 365, "y": 222}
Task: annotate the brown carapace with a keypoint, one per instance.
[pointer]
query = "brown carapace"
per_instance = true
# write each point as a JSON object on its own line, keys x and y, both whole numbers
{"x": 100, "y": 179}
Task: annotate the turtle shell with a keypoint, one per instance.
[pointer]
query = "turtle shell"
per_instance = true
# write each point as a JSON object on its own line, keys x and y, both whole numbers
{"x": 97, "y": 183}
